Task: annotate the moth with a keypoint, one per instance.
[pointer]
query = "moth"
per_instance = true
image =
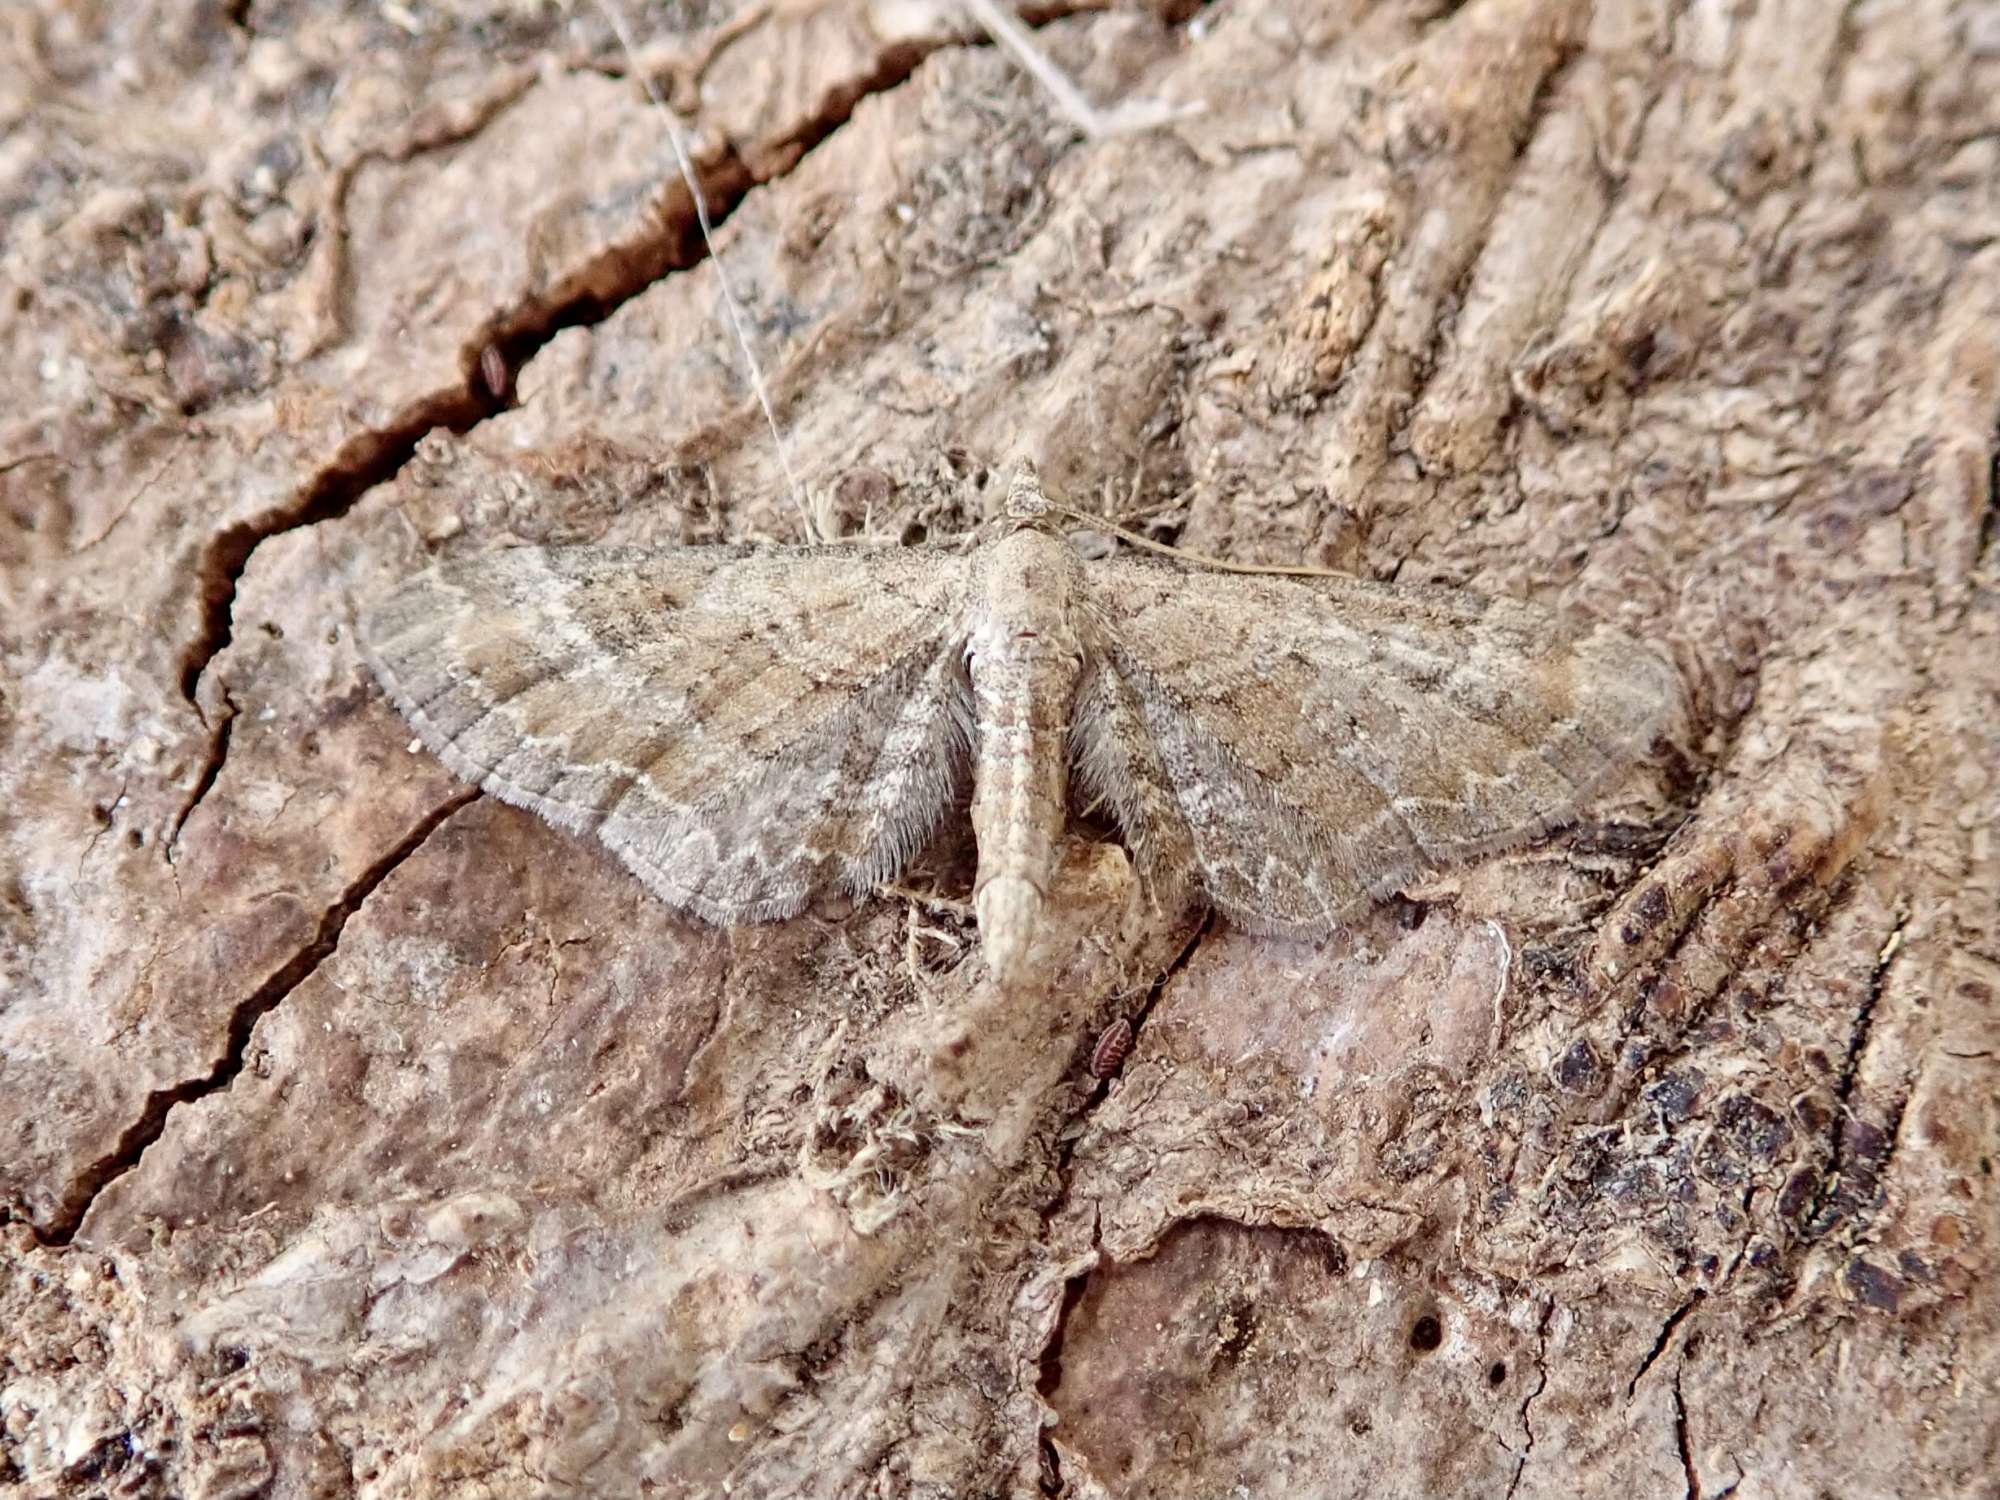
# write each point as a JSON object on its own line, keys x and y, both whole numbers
{"x": 749, "y": 727}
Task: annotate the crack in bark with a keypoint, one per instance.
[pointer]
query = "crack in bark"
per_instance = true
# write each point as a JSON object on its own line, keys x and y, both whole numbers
{"x": 369, "y": 459}
{"x": 145, "y": 488}
{"x": 1681, "y": 1440}
{"x": 1827, "y": 1209}
{"x": 1667, "y": 1328}
{"x": 1049, "y": 1371}
{"x": 1528, "y": 1401}
{"x": 1138, "y": 1018}
{"x": 1989, "y": 521}
{"x": 1102, "y": 1086}
{"x": 151, "y": 1122}
{"x": 1049, "y": 1365}
{"x": 211, "y": 772}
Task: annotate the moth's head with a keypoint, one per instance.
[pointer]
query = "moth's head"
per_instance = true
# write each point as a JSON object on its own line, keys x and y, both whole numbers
{"x": 1026, "y": 504}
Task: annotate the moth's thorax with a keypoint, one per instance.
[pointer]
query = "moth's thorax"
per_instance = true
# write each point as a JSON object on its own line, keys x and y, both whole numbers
{"x": 1030, "y": 584}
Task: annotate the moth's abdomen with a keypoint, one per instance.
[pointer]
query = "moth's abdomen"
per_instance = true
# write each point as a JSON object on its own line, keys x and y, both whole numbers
{"x": 1025, "y": 661}
{"x": 1019, "y": 794}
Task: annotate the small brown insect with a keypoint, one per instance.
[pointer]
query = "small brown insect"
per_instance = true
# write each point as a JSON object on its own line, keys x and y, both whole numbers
{"x": 494, "y": 372}
{"x": 1113, "y": 1043}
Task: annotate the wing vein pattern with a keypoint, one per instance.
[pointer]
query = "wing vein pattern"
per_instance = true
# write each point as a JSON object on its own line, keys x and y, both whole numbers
{"x": 743, "y": 727}
{"x": 1311, "y": 745}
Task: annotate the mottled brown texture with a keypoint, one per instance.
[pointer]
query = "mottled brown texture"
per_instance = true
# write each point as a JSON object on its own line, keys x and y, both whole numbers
{"x": 362, "y": 1140}
{"x": 745, "y": 730}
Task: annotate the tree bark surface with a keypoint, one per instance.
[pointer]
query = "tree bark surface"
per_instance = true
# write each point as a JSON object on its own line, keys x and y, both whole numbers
{"x": 362, "y": 1136}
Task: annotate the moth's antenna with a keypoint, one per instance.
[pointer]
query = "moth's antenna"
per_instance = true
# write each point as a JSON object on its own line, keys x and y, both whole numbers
{"x": 1102, "y": 523}
{"x": 737, "y": 323}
